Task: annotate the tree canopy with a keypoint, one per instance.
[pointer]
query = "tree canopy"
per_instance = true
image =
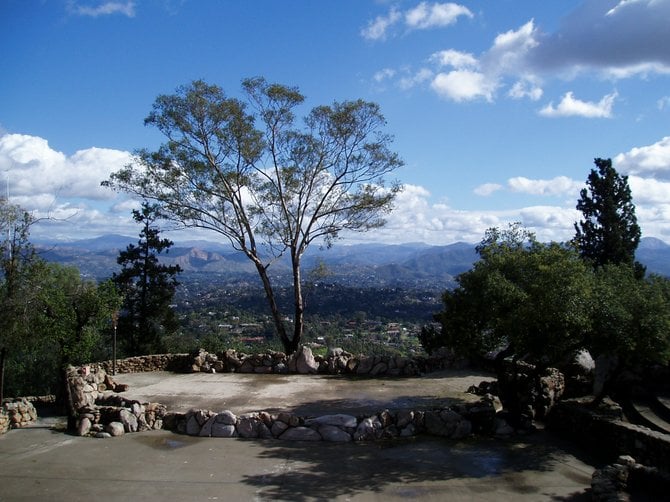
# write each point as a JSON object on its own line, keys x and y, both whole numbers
{"x": 543, "y": 302}
{"x": 51, "y": 317}
{"x": 148, "y": 289}
{"x": 249, "y": 171}
{"x": 609, "y": 233}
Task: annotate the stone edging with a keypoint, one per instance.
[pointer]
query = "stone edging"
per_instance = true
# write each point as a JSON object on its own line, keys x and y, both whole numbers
{"x": 605, "y": 432}
{"x": 99, "y": 410}
{"x": 303, "y": 361}
{"x": 616, "y": 481}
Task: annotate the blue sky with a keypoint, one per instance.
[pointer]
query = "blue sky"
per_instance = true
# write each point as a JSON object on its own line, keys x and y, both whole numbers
{"x": 498, "y": 108}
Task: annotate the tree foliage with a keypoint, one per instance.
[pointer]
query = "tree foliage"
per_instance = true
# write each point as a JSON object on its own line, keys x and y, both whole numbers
{"x": 609, "y": 233}
{"x": 148, "y": 289}
{"x": 250, "y": 172}
{"x": 17, "y": 270}
{"x": 50, "y": 316}
{"x": 522, "y": 294}
{"x": 542, "y": 302}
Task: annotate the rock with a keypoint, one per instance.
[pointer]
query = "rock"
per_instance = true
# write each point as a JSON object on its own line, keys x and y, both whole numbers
{"x": 334, "y": 434}
{"x": 289, "y": 419}
{"x": 364, "y": 365}
{"x": 84, "y": 427}
{"x": 379, "y": 369}
{"x": 404, "y": 418}
{"x": 128, "y": 420}
{"x": 222, "y": 431}
{"x": 300, "y": 434}
{"x": 115, "y": 429}
{"x": 502, "y": 428}
{"x": 264, "y": 432}
{"x": 339, "y": 420}
{"x": 192, "y": 426}
{"x": 248, "y": 426}
{"x": 206, "y": 430}
{"x": 369, "y": 429}
{"x": 305, "y": 362}
{"x": 408, "y": 431}
{"x": 102, "y": 435}
{"x": 278, "y": 428}
{"x": 226, "y": 417}
{"x": 447, "y": 423}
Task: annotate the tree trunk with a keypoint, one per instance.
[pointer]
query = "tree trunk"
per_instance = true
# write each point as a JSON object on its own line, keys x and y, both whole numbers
{"x": 274, "y": 308}
{"x": 298, "y": 304}
{"x": 3, "y": 357}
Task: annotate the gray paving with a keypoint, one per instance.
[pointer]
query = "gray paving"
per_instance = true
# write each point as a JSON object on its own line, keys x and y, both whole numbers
{"x": 300, "y": 394}
{"x": 41, "y": 463}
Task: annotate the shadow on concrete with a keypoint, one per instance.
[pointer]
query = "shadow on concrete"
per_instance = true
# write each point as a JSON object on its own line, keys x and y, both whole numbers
{"x": 420, "y": 467}
{"x": 366, "y": 405}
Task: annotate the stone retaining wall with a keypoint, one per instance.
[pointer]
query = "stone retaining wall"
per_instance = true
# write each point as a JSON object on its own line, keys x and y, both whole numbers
{"x": 303, "y": 361}
{"x": 98, "y": 410}
{"x": 16, "y": 413}
{"x": 608, "y": 435}
{"x": 139, "y": 364}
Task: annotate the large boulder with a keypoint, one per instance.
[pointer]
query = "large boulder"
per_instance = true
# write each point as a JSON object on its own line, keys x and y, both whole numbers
{"x": 305, "y": 362}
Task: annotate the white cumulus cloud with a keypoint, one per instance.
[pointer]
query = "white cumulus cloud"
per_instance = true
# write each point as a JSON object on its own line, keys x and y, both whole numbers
{"x": 558, "y": 186}
{"x": 425, "y": 15}
{"x": 570, "y": 106}
{"x": 53, "y": 185}
{"x": 463, "y": 85}
{"x": 646, "y": 161}
{"x": 487, "y": 189}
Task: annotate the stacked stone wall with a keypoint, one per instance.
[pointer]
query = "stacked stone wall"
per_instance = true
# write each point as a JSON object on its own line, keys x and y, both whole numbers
{"x": 303, "y": 361}
{"x": 608, "y": 435}
{"x": 16, "y": 413}
{"x": 141, "y": 364}
{"x": 455, "y": 422}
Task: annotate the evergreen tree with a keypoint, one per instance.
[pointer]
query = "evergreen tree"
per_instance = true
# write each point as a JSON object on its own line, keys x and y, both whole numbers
{"x": 609, "y": 233}
{"x": 148, "y": 288}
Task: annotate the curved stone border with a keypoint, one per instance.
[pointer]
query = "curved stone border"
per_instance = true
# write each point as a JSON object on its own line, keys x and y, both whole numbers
{"x": 454, "y": 422}
{"x": 303, "y": 361}
{"x": 99, "y": 410}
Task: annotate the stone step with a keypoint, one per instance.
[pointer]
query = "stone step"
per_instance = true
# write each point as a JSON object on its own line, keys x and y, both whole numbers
{"x": 661, "y": 405}
{"x": 647, "y": 416}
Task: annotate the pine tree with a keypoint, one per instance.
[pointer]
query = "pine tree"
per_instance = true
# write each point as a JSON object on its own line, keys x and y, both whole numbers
{"x": 148, "y": 288}
{"x": 609, "y": 233}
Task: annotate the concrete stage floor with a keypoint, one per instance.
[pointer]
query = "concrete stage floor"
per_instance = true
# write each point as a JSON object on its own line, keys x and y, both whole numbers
{"x": 43, "y": 463}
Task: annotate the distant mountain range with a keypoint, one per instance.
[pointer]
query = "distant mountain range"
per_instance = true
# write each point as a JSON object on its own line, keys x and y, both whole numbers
{"x": 381, "y": 265}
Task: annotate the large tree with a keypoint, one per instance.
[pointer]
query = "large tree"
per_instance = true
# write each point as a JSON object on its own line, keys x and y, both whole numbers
{"x": 250, "y": 172}
{"x": 17, "y": 266}
{"x": 522, "y": 294}
{"x": 609, "y": 233}
{"x": 148, "y": 288}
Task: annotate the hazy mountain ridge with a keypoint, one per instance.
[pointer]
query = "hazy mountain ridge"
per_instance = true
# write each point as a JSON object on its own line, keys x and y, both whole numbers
{"x": 364, "y": 264}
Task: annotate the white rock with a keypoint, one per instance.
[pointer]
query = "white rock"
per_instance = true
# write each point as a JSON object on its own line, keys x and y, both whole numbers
{"x": 339, "y": 420}
{"x": 115, "y": 429}
{"x": 300, "y": 434}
